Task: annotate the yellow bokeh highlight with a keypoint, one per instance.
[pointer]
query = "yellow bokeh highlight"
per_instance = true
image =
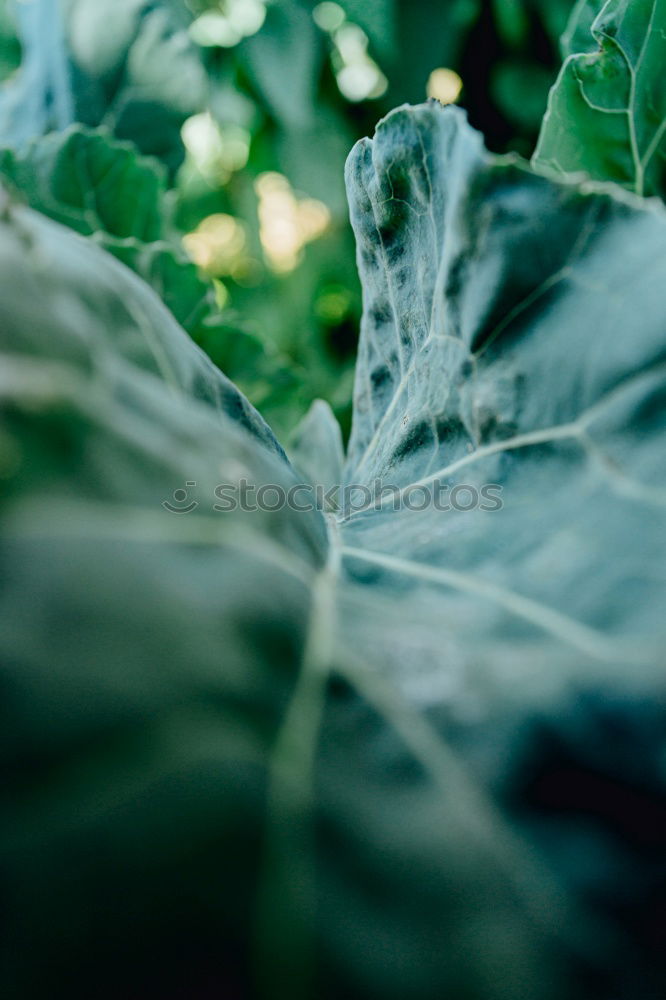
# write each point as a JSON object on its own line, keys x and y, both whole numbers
{"x": 287, "y": 223}
{"x": 217, "y": 244}
{"x": 444, "y": 85}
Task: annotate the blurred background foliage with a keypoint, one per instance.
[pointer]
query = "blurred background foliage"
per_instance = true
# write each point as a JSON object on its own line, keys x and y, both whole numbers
{"x": 252, "y": 107}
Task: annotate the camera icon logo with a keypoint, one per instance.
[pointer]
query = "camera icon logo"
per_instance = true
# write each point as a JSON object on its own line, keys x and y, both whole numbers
{"x": 180, "y": 504}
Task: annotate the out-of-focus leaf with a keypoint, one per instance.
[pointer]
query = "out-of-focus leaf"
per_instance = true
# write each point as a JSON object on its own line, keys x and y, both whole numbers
{"x": 378, "y": 18}
{"x": 284, "y": 60}
{"x": 144, "y": 671}
{"x": 521, "y": 91}
{"x": 512, "y": 20}
{"x": 39, "y": 97}
{"x": 103, "y": 188}
{"x": 554, "y": 15}
{"x": 128, "y": 312}
{"x": 10, "y": 50}
{"x": 430, "y": 34}
{"x": 314, "y": 158}
{"x": 272, "y": 380}
{"x": 316, "y": 447}
{"x": 607, "y": 112}
{"x": 92, "y": 183}
{"x": 141, "y": 76}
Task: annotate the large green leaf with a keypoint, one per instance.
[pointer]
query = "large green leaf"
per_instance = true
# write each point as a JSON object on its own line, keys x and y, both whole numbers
{"x": 512, "y": 328}
{"x": 139, "y": 652}
{"x": 422, "y": 758}
{"x": 513, "y": 334}
{"x": 607, "y": 112}
{"x": 140, "y": 76}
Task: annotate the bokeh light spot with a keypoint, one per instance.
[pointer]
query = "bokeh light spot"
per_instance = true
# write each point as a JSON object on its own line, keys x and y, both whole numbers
{"x": 217, "y": 151}
{"x": 226, "y": 27}
{"x": 444, "y": 85}
{"x": 328, "y": 16}
{"x": 287, "y": 223}
{"x": 217, "y": 244}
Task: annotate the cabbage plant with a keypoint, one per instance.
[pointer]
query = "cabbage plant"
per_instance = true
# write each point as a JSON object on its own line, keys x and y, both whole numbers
{"x": 403, "y": 741}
